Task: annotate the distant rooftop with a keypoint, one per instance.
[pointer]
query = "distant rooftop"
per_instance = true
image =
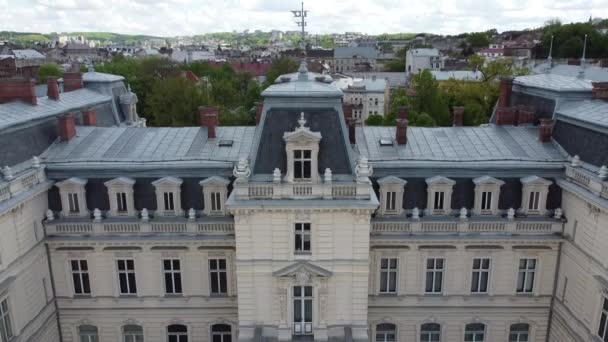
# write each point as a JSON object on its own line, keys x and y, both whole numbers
{"x": 554, "y": 82}
{"x": 28, "y": 54}
{"x": 425, "y": 52}
{"x": 94, "y": 76}
{"x": 349, "y": 52}
{"x": 592, "y": 73}
{"x": 594, "y": 112}
{"x": 464, "y": 75}
{"x": 303, "y": 84}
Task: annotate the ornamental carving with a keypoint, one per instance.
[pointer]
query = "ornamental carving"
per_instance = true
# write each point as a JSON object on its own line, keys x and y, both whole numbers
{"x": 302, "y": 277}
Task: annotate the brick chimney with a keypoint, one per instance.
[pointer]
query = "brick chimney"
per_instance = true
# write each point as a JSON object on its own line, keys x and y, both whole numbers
{"x": 403, "y": 113}
{"x": 544, "y": 130}
{"x": 18, "y": 89}
{"x": 72, "y": 81}
{"x": 52, "y": 88}
{"x": 209, "y": 119}
{"x": 600, "y": 91}
{"x": 347, "y": 110}
{"x": 504, "y": 92}
{"x": 351, "y": 122}
{"x": 525, "y": 115}
{"x": 457, "y": 116}
{"x": 401, "y": 131}
{"x": 258, "y": 112}
{"x": 505, "y": 116}
{"x": 89, "y": 117}
{"x": 66, "y": 126}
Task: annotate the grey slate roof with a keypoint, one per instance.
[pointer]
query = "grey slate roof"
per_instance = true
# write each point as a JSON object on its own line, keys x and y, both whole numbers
{"x": 594, "y": 112}
{"x": 592, "y": 73}
{"x": 133, "y": 145}
{"x": 28, "y": 54}
{"x": 16, "y": 112}
{"x": 93, "y": 76}
{"x": 554, "y": 82}
{"x": 349, "y": 52}
{"x": 303, "y": 84}
{"x": 466, "y": 75}
{"x": 458, "y": 144}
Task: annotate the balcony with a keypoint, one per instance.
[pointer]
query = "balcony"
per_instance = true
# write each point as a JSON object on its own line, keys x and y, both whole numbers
{"x": 133, "y": 226}
{"x": 334, "y": 190}
{"x": 588, "y": 180}
{"x": 474, "y": 225}
{"x": 20, "y": 179}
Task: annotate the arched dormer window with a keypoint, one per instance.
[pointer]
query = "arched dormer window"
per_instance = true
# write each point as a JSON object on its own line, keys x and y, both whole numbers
{"x": 534, "y": 195}
{"x": 120, "y": 193}
{"x": 439, "y": 198}
{"x": 302, "y": 148}
{"x": 168, "y": 196}
{"x": 214, "y": 195}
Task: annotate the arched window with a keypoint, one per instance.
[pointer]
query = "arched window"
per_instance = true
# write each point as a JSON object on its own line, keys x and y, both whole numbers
{"x": 221, "y": 333}
{"x": 475, "y": 332}
{"x": 519, "y": 332}
{"x": 430, "y": 332}
{"x": 133, "y": 333}
{"x": 88, "y": 333}
{"x": 386, "y": 332}
{"x": 177, "y": 333}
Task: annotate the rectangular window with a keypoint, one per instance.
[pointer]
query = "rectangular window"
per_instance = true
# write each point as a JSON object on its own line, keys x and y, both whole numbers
{"x": 481, "y": 275}
{"x": 302, "y": 238}
{"x": 434, "y": 275}
{"x": 302, "y": 160}
{"x": 527, "y": 273}
{"x": 439, "y": 197}
{"x": 603, "y": 328}
{"x": 218, "y": 276}
{"x": 121, "y": 202}
{"x": 126, "y": 276}
{"x": 173, "y": 276}
{"x": 486, "y": 200}
{"x": 391, "y": 200}
{"x": 533, "y": 202}
{"x": 302, "y": 310}
{"x": 73, "y": 205}
{"x": 216, "y": 204}
{"x": 80, "y": 277}
{"x": 169, "y": 201}
{"x": 6, "y": 327}
{"x": 388, "y": 275}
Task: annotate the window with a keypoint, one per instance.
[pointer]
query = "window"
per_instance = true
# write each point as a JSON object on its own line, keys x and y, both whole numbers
{"x": 221, "y": 333}
{"x": 430, "y": 332}
{"x": 519, "y": 333}
{"x": 486, "y": 200}
{"x": 525, "y": 278}
{"x": 391, "y": 197}
{"x": 6, "y": 327}
{"x": 388, "y": 275}
{"x": 438, "y": 200}
{"x": 603, "y": 328}
{"x": 121, "y": 202}
{"x": 302, "y": 238}
{"x": 534, "y": 199}
{"x": 177, "y": 333}
{"x": 133, "y": 333}
{"x": 302, "y": 163}
{"x": 173, "y": 276}
{"x": 126, "y": 276}
{"x": 73, "y": 205}
{"x": 216, "y": 202}
{"x": 168, "y": 200}
{"x": 88, "y": 333}
{"x": 434, "y": 275}
{"x": 218, "y": 276}
{"x": 474, "y": 332}
{"x": 302, "y": 310}
{"x": 80, "y": 276}
{"x": 481, "y": 275}
{"x": 386, "y": 332}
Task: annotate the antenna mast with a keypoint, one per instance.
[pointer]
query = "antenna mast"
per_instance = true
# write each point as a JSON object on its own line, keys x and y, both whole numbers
{"x": 302, "y": 14}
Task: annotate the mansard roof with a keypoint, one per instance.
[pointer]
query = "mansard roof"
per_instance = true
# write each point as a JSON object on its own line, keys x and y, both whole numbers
{"x": 593, "y": 114}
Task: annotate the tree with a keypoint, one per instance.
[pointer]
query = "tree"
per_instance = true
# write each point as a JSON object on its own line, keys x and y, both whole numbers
{"x": 279, "y": 66}
{"x": 374, "y": 120}
{"x": 47, "y": 70}
{"x": 429, "y": 99}
{"x": 174, "y": 102}
{"x": 478, "y": 39}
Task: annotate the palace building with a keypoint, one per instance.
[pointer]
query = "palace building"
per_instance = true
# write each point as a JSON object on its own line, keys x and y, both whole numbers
{"x": 305, "y": 227}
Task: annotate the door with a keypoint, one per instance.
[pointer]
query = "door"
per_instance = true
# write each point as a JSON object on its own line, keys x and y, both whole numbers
{"x": 302, "y": 310}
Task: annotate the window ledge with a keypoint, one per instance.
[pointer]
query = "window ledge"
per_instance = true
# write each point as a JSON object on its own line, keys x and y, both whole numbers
{"x": 388, "y": 294}
{"x": 127, "y": 295}
{"x": 82, "y": 296}
{"x": 218, "y": 295}
{"x": 174, "y": 295}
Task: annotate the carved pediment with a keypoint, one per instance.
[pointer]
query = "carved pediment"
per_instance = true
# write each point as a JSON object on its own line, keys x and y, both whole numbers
{"x": 302, "y": 271}
{"x": 302, "y": 133}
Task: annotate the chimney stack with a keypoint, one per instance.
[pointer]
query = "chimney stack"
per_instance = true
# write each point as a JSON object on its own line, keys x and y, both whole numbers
{"x": 504, "y": 93}
{"x": 401, "y": 131}
{"x": 457, "y": 116}
{"x": 525, "y": 115}
{"x": 600, "y": 91}
{"x": 209, "y": 119}
{"x": 72, "y": 81}
{"x": 18, "y": 89}
{"x": 544, "y": 130}
{"x": 66, "y": 126}
{"x": 347, "y": 110}
{"x": 403, "y": 113}
{"x": 89, "y": 117}
{"x": 505, "y": 116}
{"x": 351, "y": 122}
{"x": 52, "y": 88}
{"x": 258, "y": 112}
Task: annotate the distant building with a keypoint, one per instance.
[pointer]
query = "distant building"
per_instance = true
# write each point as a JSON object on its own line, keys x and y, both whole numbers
{"x": 460, "y": 75}
{"x": 369, "y": 96}
{"x": 417, "y": 60}
{"x": 22, "y": 63}
{"x": 493, "y": 52}
{"x": 354, "y": 59}
{"x": 187, "y": 57}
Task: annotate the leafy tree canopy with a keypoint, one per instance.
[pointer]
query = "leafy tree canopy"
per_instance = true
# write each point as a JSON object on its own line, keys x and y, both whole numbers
{"x": 47, "y": 70}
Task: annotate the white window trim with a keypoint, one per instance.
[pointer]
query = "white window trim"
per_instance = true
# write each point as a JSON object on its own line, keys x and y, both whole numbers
{"x": 121, "y": 185}
{"x": 69, "y": 186}
{"x": 212, "y": 185}
{"x": 604, "y": 297}
{"x": 391, "y": 184}
{"x": 226, "y": 271}
{"x": 379, "y": 273}
{"x": 117, "y": 272}
{"x": 443, "y": 275}
{"x": 9, "y": 314}
{"x": 439, "y": 184}
{"x": 302, "y": 138}
{"x": 80, "y": 273}
{"x": 536, "y": 275}
{"x": 172, "y": 185}
{"x": 531, "y": 184}
{"x": 302, "y": 253}
{"x": 491, "y": 185}
{"x": 173, "y": 273}
{"x": 490, "y": 271}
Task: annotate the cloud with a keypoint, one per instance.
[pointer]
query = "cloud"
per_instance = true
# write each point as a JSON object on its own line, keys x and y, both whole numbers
{"x": 187, "y": 17}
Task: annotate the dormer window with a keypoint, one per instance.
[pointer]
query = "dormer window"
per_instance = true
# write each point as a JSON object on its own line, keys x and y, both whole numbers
{"x": 391, "y": 195}
{"x": 214, "y": 195}
{"x": 120, "y": 193}
{"x": 302, "y": 150}
{"x": 534, "y": 195}
{"x": 302, "y": 163}
{"x": 168, "y": 196}
{"x": 73, "y": 197}
{"x": 439, "y": 195}
{"x": 487, "y": 192}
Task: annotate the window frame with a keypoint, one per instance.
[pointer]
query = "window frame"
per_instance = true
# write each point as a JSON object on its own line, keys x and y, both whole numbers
{"x": 603, "y": 316}
{"x": 389, "y": 270}
{"x": 439, "y": 184}
{"x": 303, "y": 232}
{"x": 163, "y": 187}
{"x": 132, "y": 336}
{"x": 386, "y": 332}
{"x": 173, "y": 274}
{"x": 121, "y": 190}
{"x": 434, "y": 272}
{"x": 481, "y": 270}
{"x": 215, "y": 189}
{"x": 530, "y": 185}
{"x": 221, "y": 334}
{"x": 7, "y": 331}
{"x": 391, "y": 184}
{"x": 303, "y": 160}
{"x": 427, "y": 335}
{"x": 90, "y": 336}
{"x": 475, "y": 332}
{"x": 126, "y": 272}
{"x": 525, "y": 272}
{"x": 179, "y": 335}
{"x": 221, "y": 273}
{"x": 73, "y": 197}
{"x": 518, "y": 333}
{"x": 81, "y": 276}
{"x": 484, "y": 186}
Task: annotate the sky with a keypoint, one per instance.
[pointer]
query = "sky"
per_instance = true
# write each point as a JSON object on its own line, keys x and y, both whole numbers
{"x": 189, "y": 17}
